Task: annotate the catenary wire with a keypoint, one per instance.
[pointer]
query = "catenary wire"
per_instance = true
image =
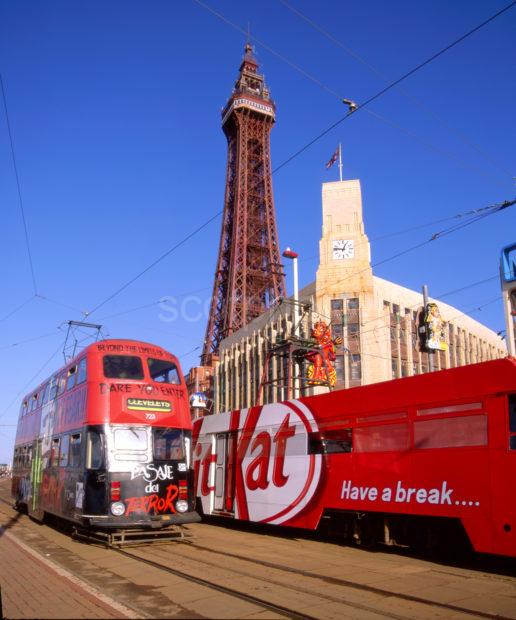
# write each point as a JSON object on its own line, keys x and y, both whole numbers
{"x": 394, "y": 83}
{"x": 485, "y": 213}
{"x": 488, "y": 157}
{"x": 305, "y": 147}
{"x": 17, "y": 176}
{"x": 432, "y": 147}
{"x": 154, "y": 263}
{"x": 295, "y": 155}
{"x": 22, "y": 305}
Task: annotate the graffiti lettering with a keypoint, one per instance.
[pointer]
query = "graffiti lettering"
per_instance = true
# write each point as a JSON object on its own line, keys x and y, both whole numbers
{"x": 114, "y": 387}
{"x": 153, "y": 503}
{"x": 151, "y": 473}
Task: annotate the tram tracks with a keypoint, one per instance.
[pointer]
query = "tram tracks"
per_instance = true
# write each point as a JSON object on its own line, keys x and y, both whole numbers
{"x": 348, "y": 583}
{"x": 249, "y": 598}
{"x": 285, "y": 590}
{"x": 266, "y": 604}
{"x": 415, "y": 603}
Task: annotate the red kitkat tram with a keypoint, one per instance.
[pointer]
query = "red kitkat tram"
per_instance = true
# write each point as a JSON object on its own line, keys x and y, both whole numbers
{"x": 105, "y": 442}
{"x": 409, "y": 461}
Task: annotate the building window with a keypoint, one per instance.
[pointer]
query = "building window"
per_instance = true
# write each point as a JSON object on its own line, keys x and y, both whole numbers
{"x": 353, "y": 303}
{"x": 336, "y": 331}
{"x": 404, "y": 368}
{"x": 394, "y": 366}
{"x": 353, "y": 329}
{"x": 336, "y": 304}
{"x": 356, "y": 367}
{"x": 339, "y": 368}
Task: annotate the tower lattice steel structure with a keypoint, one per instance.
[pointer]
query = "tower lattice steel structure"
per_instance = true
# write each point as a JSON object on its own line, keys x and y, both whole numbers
{"x": 249, "y": 274}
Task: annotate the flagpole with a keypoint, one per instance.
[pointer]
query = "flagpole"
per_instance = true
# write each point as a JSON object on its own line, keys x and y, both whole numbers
{"x": 340, "y": 161}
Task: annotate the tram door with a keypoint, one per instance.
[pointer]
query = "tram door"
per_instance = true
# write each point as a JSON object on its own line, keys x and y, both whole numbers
{"x": 36, "y": 475}
{"x": 225, "y": 446}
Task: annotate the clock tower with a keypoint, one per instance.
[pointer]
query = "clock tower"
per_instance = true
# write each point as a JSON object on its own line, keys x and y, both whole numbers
{"x": 345, "y": 255}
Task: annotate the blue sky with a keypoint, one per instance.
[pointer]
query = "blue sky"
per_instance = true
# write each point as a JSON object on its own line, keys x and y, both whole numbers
{"x": 115, "y": 116}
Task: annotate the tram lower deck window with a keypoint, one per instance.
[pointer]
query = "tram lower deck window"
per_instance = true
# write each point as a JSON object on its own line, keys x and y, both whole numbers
{"x": 512, "y": 422}
{"x": 123, "y": 367}
{"x": 331, "y": 442}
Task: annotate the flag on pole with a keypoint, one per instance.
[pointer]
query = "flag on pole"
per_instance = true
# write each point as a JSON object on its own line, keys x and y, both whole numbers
{"x": 333, "y": 158}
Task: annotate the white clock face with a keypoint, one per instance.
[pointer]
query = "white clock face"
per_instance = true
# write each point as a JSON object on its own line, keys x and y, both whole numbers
{"x": 343, "y": 248}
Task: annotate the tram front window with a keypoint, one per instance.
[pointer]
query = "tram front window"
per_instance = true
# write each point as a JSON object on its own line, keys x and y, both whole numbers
{"x": 123, "y": 367}
{"x": 162, "y": 371}
{"x": 169, "y": 444}
{"x": 131, "y": 444}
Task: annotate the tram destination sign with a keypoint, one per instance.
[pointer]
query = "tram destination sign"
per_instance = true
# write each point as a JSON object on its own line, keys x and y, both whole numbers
{"x": 148, "y": 404}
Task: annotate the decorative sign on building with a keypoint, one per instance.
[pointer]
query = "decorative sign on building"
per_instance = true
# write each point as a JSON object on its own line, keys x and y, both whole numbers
{"x": 435, "y": 335}
{"x": 198, "y": 400}
{"x": 320, "y": 370}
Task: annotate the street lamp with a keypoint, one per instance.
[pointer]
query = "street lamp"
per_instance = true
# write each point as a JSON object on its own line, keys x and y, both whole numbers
{"x": 288, "y": 253}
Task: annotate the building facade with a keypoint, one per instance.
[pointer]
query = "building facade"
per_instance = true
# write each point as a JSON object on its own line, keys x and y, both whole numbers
{"x": 375, "y": 321}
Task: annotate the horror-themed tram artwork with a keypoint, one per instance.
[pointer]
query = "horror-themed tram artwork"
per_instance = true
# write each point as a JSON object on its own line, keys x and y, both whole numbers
{"x": 105, "y": 442}
{"x": 424, "y": 458}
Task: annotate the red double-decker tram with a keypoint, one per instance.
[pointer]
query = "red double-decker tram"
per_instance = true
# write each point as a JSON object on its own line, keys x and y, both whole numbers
{"x": 413, "y": 461}
{"x": 105, "y": 442}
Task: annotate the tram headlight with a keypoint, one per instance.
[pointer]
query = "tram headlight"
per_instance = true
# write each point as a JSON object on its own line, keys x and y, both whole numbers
{"x": 117, "y": 509}
{"x": 181, "y": 505}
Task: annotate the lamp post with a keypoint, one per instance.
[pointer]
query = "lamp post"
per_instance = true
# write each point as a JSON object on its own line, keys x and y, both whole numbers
{"x": 288, "y": 253}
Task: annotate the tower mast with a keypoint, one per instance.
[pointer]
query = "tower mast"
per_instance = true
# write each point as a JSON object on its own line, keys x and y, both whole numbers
{"x": 248, "y": 277}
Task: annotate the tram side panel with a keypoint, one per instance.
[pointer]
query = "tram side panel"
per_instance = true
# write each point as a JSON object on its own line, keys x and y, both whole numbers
{"x": 108, "y": 452}
{"x": 449, "y": 459}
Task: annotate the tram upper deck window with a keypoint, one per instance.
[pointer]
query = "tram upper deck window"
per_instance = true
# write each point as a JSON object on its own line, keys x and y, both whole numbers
{"x": 70, "y": 380}
{"x": 81, "y": 371}
{"x": 123, "y": 367}
{"x": 46, "y": 394}
{"x": 163, "y": 371}
{"x": 53, "y": 388}
{"x": 168, "y": 444}
{"x": 61, "y": 383}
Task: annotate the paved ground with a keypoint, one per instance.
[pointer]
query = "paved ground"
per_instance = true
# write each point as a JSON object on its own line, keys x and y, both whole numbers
{"x": 33, "y": 587}
{"x": 323, "y": 579}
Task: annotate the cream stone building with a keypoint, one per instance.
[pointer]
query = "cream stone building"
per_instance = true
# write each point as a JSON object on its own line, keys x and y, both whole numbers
{"x": 378, "y": 321}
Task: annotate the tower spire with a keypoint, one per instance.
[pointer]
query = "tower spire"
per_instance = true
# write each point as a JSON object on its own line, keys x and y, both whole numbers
{"x": 248, "y": 277}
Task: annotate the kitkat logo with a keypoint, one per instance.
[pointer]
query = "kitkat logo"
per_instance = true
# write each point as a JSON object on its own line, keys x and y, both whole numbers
{"x": 256, "y": 459}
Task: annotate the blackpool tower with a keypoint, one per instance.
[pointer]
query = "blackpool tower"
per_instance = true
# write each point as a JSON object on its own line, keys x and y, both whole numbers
{"x": 249, "y": 275}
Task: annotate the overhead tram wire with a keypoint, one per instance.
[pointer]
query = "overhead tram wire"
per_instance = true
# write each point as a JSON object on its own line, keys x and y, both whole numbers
{"x": 307, "y": 146}
{"x": 391, "y": 85}
{"x": 17, "y": 176}
{"x": 360, "y": 106}
{"x": 28, "y": 383}
{"x": 22, "y": 305}
{"x": 438, "y": 235}
{"x": 430, "y": 111}
{"x": 155, "y": 262}
{"x": 302, "y": 149}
